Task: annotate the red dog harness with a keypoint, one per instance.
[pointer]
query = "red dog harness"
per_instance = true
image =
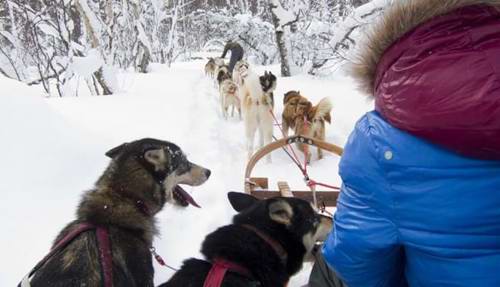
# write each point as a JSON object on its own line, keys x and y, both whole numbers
{"x": 105, "y": 255}
{"x": 220, "y": 266}
{"x": 218, "y": 272}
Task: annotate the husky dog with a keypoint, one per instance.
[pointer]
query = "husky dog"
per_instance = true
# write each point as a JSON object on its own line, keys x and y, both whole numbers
{"x": 257, "y": 112}
{"x": 295, "y": 108}
{"x": 268, "y": 83}
{"x": 219, "y": 61}
{"x": 305, "y": 119}
{"x": 210, "y": 67}
{"x": 142, "y": 176}
{"x": 268, "y": 242}
{"x": 222, "y": 73}
{"x": 240, "y": 72}
{"x": 229, "y": 96}
{"x": 317, "y": 117}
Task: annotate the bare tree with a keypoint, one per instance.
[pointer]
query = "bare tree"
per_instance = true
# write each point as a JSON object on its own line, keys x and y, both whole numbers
{"x": 281, "y": 19}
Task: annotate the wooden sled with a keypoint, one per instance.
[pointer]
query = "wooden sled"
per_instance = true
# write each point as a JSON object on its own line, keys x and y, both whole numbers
{"x": 259, "y": 186}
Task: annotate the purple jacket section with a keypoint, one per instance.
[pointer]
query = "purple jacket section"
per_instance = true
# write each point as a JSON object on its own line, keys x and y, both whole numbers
{"x": 441, "y": 82}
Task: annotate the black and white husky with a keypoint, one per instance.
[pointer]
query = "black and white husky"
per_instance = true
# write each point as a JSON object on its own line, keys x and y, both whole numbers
{"x": 257, "y": 108}
{"x": 265, "y": 245}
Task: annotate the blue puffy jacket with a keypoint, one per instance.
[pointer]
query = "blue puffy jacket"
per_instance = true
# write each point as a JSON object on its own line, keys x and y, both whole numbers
{"x": 412, "y": 213}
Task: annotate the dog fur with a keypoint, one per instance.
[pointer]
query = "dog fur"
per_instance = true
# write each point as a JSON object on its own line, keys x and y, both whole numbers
{"x": 268, "y": 82}
{"x": 222, "y": 73}
{"x": 256, "y": 107}
{"x": 210, "y": 67}
{"x": 229, "y": 96}
{"x": 147, "y": 171}
{"x": 400, "y": 18}
{"x": 292, "y": 222}
{"x": 305, "y": 119}
{"x": 240, "y": 72}
{"x": 219, "y": 61}
{"x": 295, "y": 108}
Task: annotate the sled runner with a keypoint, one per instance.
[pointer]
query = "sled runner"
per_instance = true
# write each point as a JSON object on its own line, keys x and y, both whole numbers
{"x": 259, "y": 186}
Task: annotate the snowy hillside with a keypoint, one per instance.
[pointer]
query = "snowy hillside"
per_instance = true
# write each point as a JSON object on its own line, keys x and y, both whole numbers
{"x": 53, "y": 149}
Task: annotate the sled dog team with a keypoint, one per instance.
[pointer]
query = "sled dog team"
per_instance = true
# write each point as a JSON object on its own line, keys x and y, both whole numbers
{"x": 253, "y": 97}
{"x": 110, "y": 241}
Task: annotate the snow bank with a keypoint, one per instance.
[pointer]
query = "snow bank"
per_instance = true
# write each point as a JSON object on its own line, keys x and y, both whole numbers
{"x": 86, "y": 66}
{"x": 45, "y": 164}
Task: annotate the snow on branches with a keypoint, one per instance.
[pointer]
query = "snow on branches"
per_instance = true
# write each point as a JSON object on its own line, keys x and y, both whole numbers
{"x": 59, "y": 43}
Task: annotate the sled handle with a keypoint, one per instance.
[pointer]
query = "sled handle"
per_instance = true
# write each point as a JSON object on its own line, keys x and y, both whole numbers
{"x": 281, "y": 143}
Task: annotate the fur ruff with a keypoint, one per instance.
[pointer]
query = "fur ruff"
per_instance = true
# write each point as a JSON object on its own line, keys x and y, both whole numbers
{"x": 256, "y": 107}
{"x": 323, "y": 110}
{"x": 399, "y": 19}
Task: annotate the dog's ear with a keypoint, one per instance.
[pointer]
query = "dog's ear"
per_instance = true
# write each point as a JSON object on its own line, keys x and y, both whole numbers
{"x": 281, "y": 212}
{"x": 328, "y": 118}
{"x": 156, "y": 157}
{"x": 114, "y": 152}
{"x": 287, "y": 96}
{"x": 240, "y": 201}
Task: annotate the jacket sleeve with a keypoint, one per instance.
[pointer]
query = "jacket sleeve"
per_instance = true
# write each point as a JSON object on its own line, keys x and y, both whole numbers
{"x": 363, "y": 245}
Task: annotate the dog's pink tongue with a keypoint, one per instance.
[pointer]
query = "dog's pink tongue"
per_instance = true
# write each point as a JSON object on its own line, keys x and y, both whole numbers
{"x": 187, "y": 197}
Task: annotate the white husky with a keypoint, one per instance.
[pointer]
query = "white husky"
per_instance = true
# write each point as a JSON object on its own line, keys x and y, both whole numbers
{"x": 256, "y": 108}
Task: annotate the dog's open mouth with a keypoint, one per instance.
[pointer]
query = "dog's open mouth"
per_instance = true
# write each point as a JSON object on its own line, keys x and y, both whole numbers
{"x": 183, "y": 198}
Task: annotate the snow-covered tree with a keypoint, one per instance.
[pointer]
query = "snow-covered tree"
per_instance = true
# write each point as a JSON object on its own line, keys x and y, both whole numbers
{"x": 58, "y": 43}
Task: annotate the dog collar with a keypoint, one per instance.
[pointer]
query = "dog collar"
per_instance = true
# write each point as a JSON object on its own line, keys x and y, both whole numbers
{"x": 275, "y": 245}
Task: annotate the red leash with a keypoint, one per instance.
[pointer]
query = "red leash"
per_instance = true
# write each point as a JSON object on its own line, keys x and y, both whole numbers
{"x": 160, "y": 260}
{"x": 295, "y": 158}
{"x": 309, "y": 182}
{"x": 312, "y": 183}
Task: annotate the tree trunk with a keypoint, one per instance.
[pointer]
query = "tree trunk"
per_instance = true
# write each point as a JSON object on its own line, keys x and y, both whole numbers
{"x": 280, "y": 41}
{"x": 102, "y": 82}
{"x": 285, "y": 64}
{"x": 144, "y": 58}
{"x": 95, "y": 44}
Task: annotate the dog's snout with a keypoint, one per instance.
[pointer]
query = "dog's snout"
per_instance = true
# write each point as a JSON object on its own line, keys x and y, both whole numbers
{"x": 207, "y": 173}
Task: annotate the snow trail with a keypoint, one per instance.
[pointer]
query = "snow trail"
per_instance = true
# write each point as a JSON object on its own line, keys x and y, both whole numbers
{"x": 57, "y": 152}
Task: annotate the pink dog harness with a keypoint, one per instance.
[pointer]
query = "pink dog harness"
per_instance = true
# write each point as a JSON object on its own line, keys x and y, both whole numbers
{"x": 105, "y": 255}
{"x": 218, "y": 272}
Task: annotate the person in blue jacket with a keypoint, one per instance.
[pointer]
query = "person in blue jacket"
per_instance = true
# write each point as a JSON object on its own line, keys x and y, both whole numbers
{"x": 420, "y": 201}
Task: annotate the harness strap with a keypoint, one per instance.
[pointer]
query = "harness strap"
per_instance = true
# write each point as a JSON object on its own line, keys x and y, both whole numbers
{"x": 218, "y": 272}
{"x": 104, "y": 252}
{"x": 58, "y": 246}
{"x": 105, "y": 255}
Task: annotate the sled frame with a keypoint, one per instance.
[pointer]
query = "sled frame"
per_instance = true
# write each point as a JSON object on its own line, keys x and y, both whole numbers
{"x": 259, "y": 186}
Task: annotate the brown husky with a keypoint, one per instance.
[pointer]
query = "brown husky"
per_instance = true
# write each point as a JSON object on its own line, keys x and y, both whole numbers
{"x": 303, "y": 118}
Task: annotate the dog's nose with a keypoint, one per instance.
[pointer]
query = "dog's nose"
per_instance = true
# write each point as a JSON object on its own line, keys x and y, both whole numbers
{"x": 207, "y": 173}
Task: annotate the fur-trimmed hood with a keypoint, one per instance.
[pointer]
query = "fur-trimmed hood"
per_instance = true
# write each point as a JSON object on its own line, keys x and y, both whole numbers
{"x": 433, "y": 69}
{"x": 399, "y": 19}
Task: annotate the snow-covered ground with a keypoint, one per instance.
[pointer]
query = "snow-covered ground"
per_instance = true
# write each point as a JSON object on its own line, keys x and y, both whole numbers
{"x": 53, "y": 149}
